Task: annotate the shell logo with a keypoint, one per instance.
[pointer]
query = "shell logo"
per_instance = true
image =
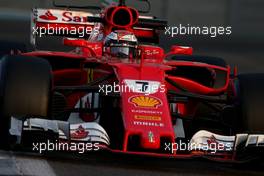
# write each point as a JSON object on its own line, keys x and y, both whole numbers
{"x": 145, "y": 101}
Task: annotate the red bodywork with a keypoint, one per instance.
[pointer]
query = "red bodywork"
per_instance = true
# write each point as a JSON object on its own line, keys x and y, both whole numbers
{"x": 148, "y": 116}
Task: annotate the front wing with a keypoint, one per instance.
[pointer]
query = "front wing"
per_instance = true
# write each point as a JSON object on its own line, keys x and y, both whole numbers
{"x": 202, "y": 144}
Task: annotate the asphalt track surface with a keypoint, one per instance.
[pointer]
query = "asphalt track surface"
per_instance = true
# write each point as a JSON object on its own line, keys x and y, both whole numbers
{"x": 248, "y": 59}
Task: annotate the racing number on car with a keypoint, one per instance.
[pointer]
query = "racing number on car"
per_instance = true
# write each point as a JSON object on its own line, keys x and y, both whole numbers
{"x": 144, "y": 85}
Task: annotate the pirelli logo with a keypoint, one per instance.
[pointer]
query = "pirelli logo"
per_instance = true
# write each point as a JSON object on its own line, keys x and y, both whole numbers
{"x": 149, "y": 118}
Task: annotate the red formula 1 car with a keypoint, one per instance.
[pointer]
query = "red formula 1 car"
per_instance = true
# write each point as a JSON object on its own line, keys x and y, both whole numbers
{"x": 119, "y": 91}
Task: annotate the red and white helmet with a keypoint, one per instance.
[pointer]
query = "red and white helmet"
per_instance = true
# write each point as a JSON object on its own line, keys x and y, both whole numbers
{"x": 121, "y": 43}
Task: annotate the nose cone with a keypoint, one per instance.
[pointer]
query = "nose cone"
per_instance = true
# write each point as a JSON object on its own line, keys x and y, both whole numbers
{"x": 145, "y": 115}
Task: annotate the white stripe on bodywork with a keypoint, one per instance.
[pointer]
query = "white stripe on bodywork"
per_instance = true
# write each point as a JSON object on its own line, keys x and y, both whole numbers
{"x": 200, "y": 139}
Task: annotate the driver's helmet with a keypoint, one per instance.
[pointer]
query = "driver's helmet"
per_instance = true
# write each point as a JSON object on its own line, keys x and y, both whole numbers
{"x": 121, "y": 44}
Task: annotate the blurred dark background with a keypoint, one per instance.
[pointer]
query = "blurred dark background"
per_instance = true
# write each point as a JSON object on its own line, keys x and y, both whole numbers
{"x": 244, "y": 47}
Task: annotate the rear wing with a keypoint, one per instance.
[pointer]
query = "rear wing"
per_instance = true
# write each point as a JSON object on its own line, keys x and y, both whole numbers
{"x": 79, "y": 24}
{"x": 56, "y": 22}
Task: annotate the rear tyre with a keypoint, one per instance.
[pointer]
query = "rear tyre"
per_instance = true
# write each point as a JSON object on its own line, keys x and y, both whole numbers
{"x": 25, "y": 88}
{"x": 251, "y": 100}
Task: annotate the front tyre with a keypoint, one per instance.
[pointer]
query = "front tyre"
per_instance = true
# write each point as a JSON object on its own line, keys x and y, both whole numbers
{"x": 25, "y": 90}
{"x": 251, "y": 103}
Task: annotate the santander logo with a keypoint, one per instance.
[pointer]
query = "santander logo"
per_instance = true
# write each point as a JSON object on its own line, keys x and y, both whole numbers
{"x": 79, "y": 133}
{"x": 48, "y": 16}
{"x": 62, "y": 16}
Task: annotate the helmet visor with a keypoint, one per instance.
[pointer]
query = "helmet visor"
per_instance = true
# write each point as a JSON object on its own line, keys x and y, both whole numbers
{"x": 122, "y": 52}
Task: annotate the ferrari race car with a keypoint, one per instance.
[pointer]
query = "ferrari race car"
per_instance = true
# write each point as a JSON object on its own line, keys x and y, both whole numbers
{"x": 118, "y": 91}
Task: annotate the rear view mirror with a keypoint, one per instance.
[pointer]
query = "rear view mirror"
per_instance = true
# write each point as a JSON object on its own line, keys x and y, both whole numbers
{"x": 181, "y": 50}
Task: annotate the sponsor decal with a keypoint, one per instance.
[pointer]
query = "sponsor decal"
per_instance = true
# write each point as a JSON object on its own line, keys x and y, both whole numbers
{"x": 145, "y": 101}
{"x": 148, "y": 112}
{"x": 62, "y": 16}
{"x": 48, "y": 16}
{"x": 152, "y": 52}
{"x": 90, "y": 75}
{"x": 79, "y": 133}
{"x": 69, "y": 17}
{"x": 151, "y": 137}
{"x": 212, "y": 140}
{"x": 215, "y": 145}
{"x": 150, "y": 118}
{"x": 148, "y": 124}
